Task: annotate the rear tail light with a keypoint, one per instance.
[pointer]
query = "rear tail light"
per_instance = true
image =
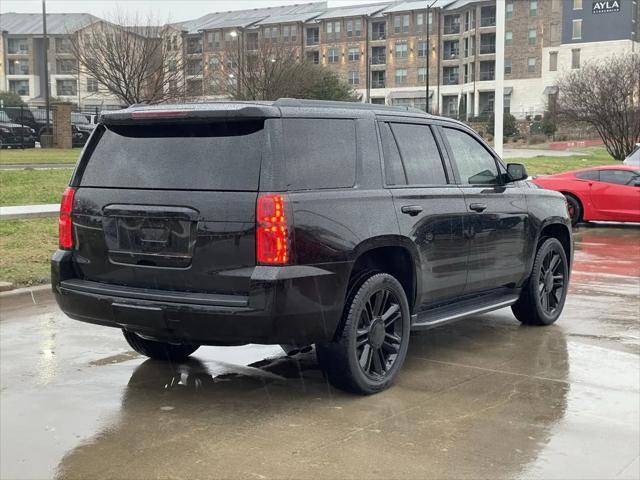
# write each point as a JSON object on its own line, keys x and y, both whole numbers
{"x": 65, "y": 233}
{"x": 273, "y": 241}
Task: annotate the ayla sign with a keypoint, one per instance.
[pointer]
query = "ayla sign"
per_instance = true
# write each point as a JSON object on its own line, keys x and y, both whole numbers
{"x": 608, "y": 6}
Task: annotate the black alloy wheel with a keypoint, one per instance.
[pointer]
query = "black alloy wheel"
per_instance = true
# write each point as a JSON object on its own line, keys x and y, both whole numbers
{"x": 379, "y": 333}
{"x": 551, "y": 282}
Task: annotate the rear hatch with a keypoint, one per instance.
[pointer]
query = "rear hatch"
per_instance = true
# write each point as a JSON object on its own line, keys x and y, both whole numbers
{"x": 170, "y": 204}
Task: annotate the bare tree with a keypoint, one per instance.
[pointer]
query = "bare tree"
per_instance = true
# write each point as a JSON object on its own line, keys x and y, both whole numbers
{"x": 130, "y": 59}
{"x": 271, "y": 71}
{"x": 605, "y": 95}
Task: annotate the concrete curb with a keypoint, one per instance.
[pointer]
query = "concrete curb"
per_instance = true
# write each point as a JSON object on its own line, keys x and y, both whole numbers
{"x": 29, "y": 211}
{"x": 24, "y": 297}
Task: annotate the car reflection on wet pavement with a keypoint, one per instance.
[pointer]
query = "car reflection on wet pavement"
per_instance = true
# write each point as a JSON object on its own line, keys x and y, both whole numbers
{"x": 484, "y": 397}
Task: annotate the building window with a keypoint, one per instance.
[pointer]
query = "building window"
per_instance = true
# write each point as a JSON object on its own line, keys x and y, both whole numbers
{"x": 213, "y": 40}
{"x": 286, "y": 32}
{"x": 354, "y": 54}
{"x": 507, "y": 66}
{"x": 194, "y": 67}
{"x": 63, "y": 45}
{"x": 577, "y": 4}
{"x": 508, "y": 39}
{"x": 378, "y": 79}
{"x": 294, "y": 33}
{"x": 531, "y": 65}
{"x": 451, "y": 75}
{"x": 422, "y": 49}
{"x": 313, "y": 36}
{"x": 509, "y": 10}
{"x": 18, "y": 67}
{"x": 18, "y": 45}
{"x": 214, "y": 63}
{"x": 553, "y": 61}
{"x": 469, "y": 72}
{"x": 401, "y": 76}
{"x": 19, "y": 87}
{"x": 92, "y": 85}
{"x": 488, "y": 17}
{"x": 487, "y": 43}
{"x": 577, "y": 30}
{"x": 332, "y": 55}
{"x": 354, "y": 77}
{"x": 401, "y": 49}
{"x": 451, "y": 49}
{"x": 533, "y": 36}
{"x": 575, "y": 58}
{"x": 332, "y": 30}
{"x": 470, "y": 20}
{"x": 533, "y": 8}
{"x": 451, "y": 24}
{"x": 65, "y": 66}
{"x": 420, "y": 22}
{"x": 422, "y": 74}
{"x": 487, "y": 70}
{"x": 354, "y": 28}
{"x": 401, "y": 24}
{"x": 313, "y": 57}
{"x": 66, "y": 87}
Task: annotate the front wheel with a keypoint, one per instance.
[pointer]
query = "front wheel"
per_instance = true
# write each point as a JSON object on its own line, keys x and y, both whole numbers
{"x": 158, "y": 350}
{"x": 542, "y": 299}
{"x": 373, "y": 341}
{"x": 574, "y": 207}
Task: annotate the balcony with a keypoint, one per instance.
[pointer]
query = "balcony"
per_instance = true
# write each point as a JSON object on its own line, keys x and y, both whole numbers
{"x": 378, "y": 36}
{"x": 487, "y": 21}
{"x": 452, "y": 29}
{"x": 487, "y": 75}
{"x": 378, "y": 59}
{"x": 377, "y": 83}
{"x": 311, "y": 41}
{"x": 487, "y": 48}
{"x": 450, "y": 80}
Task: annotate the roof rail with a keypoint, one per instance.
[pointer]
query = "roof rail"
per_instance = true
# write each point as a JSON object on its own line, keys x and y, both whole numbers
{"x": 296, "y": 102}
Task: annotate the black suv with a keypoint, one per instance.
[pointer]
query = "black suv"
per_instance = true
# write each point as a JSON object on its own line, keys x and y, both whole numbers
{"x": 300, "y": 222}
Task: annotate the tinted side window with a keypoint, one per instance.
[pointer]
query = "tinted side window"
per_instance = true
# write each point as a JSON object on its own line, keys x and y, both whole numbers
{"x": 393, "y": 168}
{"x": 475, "y": 164}
{"x": 619, "y": 177}
{"x": 420, "y": 154}
{"x": 591, "y": 175}
{"x": 320, "y": 153}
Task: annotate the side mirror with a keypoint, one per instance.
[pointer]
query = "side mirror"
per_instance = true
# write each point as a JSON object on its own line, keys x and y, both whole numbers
{"x": 517, "y": 171}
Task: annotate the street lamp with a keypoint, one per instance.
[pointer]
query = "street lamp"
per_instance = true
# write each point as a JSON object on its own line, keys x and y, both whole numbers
{"x": 430, "y": 4}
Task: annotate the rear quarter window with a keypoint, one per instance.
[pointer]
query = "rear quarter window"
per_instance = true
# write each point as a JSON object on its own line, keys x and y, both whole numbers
{"x": 319, "y": 153}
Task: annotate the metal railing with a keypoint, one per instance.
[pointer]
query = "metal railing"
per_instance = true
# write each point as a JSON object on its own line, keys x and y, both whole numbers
{"x": 451, "y": 29}
{"x": 377, "y": 84}
{"x": 487, "y": 75}
{"x": 487, "y": 48}
{"x": 379, "y": 59}
{"x": 487, "y": 21}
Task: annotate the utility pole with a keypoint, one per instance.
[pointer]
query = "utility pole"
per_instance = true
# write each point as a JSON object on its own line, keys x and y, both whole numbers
{"x": 46, "y": 61}
{"x": 498, "y": 100}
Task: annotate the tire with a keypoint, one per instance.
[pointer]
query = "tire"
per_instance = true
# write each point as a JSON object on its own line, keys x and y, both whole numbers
{"x": 543, "y": 297}
{"x": 574, "y": 207}
{"x": 158, "y": 350}
{"x": 368, "y": 351}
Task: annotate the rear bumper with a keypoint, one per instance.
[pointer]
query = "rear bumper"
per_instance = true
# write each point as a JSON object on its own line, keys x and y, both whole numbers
{"x": 286, "y": 305}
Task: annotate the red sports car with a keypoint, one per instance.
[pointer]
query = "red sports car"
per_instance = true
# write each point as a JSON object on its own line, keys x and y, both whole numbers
{"x": 610, "y": 193}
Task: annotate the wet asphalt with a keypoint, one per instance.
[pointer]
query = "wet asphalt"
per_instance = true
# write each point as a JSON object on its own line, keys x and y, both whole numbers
{"x": 482, "y": 398}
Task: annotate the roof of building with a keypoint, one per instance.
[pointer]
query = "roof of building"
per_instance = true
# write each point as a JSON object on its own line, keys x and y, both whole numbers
{"x": 353, "y": 10}
{"x": 290, "y": 18}
{"x": 410, "y": 5}
{"x": 57, "y": 23}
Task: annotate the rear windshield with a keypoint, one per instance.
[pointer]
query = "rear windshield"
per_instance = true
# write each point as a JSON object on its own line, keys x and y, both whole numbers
{"x": 196, "y": 156}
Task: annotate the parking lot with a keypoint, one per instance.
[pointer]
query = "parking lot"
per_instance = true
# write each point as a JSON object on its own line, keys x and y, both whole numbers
{"x": 484, "y": 397}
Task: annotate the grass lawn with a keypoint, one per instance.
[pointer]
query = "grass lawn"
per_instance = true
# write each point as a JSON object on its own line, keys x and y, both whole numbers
{"x": 27, "y": 246}
{"x": 39, "y": 155}
{"x": 31, "y": 187}
{"x": 594, "y": 156}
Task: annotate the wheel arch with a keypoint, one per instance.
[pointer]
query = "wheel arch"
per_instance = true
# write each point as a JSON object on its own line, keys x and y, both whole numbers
{"x": 393, "y": 254}
{"x": 559, "y": 231}
{"x": 584, "y": 205}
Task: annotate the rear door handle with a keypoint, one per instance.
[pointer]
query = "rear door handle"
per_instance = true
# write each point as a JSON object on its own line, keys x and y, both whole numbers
{"x": 412, "y": 210}
{"x": 478, "y": 207}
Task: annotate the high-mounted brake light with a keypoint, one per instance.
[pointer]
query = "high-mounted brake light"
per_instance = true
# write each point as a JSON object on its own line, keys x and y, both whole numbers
{"x": 273, "y": 242}
{"x": 159, "y": 114}
{"x": 65, "y": 233}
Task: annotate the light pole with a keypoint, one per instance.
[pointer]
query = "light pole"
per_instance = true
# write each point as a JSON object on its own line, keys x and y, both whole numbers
{"x": 430, "y": 4}
{"x": 498, "y": 102}
{"x": 235, "y": 34}
{"x": 46, "y": 61}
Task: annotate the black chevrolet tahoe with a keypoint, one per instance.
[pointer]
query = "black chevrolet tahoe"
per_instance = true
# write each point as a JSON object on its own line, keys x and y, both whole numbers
{"x": 300, "y": 222}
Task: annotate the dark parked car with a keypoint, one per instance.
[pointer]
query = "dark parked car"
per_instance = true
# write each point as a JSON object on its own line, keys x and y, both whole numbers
{"x": 299, "y": 222}
{"x": 15, "y": 135}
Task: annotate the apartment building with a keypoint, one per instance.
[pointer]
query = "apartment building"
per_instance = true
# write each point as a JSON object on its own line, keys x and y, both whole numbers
{"x": 22, "y": 51}
{"x": 386, "y": 51}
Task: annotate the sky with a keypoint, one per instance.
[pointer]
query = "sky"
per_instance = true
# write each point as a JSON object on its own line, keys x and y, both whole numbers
{"x": 164, "y": 10}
